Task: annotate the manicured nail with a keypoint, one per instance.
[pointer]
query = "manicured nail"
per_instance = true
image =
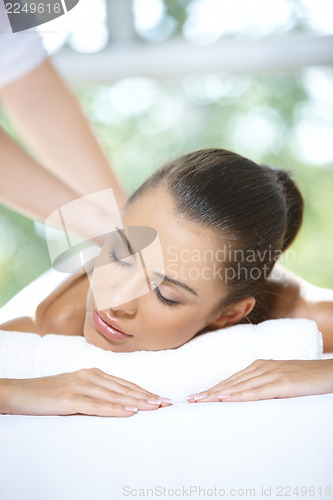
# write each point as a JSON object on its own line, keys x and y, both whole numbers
{"x": 130, "y": 408}
{"x": 196, "y": 397}
{"x": 153, "y": 402}
{"x": 165, "y": 400}
{"x": 224, "y": 396}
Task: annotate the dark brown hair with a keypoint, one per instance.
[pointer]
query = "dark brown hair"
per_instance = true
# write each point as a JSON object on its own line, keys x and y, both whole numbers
{"x": 250, "y": 206}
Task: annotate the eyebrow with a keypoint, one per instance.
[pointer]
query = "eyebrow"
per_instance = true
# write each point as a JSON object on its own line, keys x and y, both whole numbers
{"x": 125, "y": 240}
{"x": 159, "y": 275}
{"x": 176, "y": 282}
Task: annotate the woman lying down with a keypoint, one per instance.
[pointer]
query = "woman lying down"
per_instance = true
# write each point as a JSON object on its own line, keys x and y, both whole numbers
{"x": 209, "y": 202}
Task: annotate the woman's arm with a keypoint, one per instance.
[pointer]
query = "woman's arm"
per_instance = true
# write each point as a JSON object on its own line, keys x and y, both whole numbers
{"x": 271, "y": 379}
{"x": 268, "y": 378}
{"x": 87, "y": 392}
{"x": 22, "y": 324}
{"x": 49, "y": 118}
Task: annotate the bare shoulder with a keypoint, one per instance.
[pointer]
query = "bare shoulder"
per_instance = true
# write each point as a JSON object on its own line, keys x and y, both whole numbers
{"x": 61, "y": 312}
{"x": 297, "y": 298}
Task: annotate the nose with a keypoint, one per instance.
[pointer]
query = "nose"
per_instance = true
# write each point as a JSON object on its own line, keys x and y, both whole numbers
{"x": 126, "y": 309}
{"x": 115, "y": 289}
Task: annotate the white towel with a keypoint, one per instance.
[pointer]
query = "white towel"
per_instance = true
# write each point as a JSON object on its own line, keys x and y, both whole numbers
{"x": 195, "y": 366}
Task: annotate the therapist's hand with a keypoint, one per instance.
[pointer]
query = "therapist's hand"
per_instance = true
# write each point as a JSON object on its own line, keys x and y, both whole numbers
{"x": 87, "y": 391}
{"x": 268, "y": 379}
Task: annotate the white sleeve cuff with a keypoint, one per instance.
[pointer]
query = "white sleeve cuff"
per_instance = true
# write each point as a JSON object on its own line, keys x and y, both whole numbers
{"x": 20, "y": 53}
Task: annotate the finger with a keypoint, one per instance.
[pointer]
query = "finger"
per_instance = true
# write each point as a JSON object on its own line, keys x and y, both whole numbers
{"x": 121, "y": 395}
{"x": 126, "y": 383}
{"x": 222, "y": 392}
{"x": 131, "y": 385}
{"x": 242, "y": 373}
{"x": 245, "y": 377}
{"x": 274, "y": 368}
{"x": 139, "y": 392}
{"x": 271, "y": 390}
{"x": 88, "y": 406}
{"x": 117, "y": 384}
{"x": 253, "y": 369}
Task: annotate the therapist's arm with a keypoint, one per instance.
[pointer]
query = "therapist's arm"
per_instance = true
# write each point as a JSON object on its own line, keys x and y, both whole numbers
{"x": 47, "y": 115}
{"x": 28, "y": 188}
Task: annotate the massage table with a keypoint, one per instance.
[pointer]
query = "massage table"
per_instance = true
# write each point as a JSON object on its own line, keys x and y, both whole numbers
{"x": 274, "y": 448}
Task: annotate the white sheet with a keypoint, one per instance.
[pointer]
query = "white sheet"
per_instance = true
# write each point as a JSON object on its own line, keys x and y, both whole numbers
{"x": 278, "y": 443}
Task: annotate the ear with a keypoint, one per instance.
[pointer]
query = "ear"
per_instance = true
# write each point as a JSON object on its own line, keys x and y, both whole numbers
{"x": 233, "y": 314}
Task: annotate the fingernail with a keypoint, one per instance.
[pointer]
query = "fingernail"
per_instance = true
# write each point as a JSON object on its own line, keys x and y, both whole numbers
{"x": 165, "y": 400}
{"x": 130, "y": 408}
{"x": 224, "y": 396}
{"x": 196, "y": 397}
{"x": 152, "y": 401}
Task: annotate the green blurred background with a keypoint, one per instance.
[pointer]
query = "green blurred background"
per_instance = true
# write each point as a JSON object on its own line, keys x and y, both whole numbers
{"x": 285, "y": 120}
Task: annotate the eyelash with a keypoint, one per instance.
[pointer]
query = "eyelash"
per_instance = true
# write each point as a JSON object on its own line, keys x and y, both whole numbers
{"x": 163, "y": 299}
{"x": 159, "y": 296}
{"x": 114, "y": 258}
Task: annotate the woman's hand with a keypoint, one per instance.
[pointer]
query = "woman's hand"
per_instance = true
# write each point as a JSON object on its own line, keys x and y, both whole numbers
{"x": 268, "y": 379}
{"x": 87, "y": 391}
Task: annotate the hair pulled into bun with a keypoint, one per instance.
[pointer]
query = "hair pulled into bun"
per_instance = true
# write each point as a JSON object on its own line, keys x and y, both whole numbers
{"x": 294, "y": 203}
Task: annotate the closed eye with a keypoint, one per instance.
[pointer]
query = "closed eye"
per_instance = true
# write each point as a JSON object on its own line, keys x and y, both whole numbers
{"x": 123, "y": 263}
{"x": 162, "y": 299}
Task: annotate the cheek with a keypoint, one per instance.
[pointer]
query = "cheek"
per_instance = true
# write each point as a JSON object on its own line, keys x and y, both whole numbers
{"x": 168, "y": 332}
{"x": 88, "y": 328}
{"x": 90, "y": 303}
{"x": 175, "y": 324}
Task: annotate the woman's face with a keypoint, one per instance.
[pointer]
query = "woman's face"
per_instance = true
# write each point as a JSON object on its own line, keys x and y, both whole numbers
{"x": 169, "y": 314}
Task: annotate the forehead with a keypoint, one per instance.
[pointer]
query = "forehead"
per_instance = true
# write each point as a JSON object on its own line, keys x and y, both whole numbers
{"x": 188, "y": 248}
{"x": 157, "y": 209}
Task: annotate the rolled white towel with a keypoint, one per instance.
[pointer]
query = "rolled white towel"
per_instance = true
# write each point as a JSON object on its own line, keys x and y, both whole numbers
{"x": 195, "y": 366}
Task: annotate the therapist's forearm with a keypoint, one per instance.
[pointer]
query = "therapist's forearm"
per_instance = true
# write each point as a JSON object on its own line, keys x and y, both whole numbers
{"x": 27, "y": 187}
{"x": 50, "y": 120}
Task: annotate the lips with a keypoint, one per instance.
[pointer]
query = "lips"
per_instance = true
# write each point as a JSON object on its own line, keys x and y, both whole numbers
{"x": 108, "y": 327}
